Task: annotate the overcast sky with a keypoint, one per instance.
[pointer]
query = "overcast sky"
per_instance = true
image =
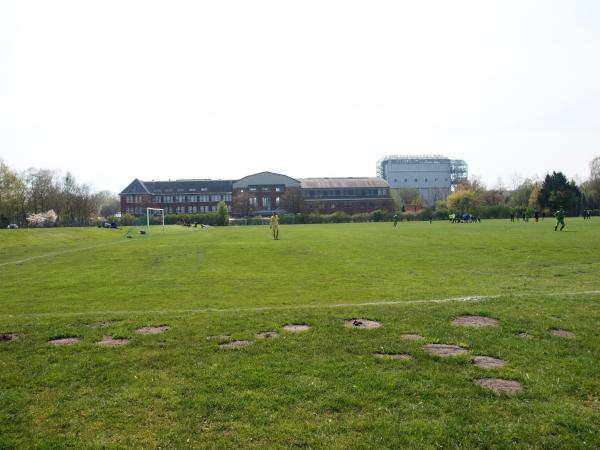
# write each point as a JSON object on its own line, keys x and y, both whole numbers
{"x": 117, "y": 90}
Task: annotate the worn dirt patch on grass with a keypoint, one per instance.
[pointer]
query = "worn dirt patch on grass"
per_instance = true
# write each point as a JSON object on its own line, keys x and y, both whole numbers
{"x": 362, "y": 323}
{"x": 562, "y": 333}
{"x": 267, "y": 335}
{"x": 235, "y": 344}
{"x": 296, "y": 328}
{"x": 487, "y": 362}
{"x": 396, "y": 356}
{"x": 152, "y": 330}
{"x": 500, "y": 385}
{"x": 411, "y": 337}
{"x": 109, "y": 341}
{"x": 7, "y": 337}
{"x": 443, "y": 349}
{"x": 475, "y": 321}
{"x": 64, "y": 341}
{"x": 524, "y": 335}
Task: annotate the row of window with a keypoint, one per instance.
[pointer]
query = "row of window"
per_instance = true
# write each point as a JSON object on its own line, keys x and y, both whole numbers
{"x": 426, "y": 180}
{"x": 263, "y": 189}
{"x": 265, "y": 202}
{"x": 204, "y": 189}
{"x": 176, "y": 210}
{"x": 321, "y": 193}
{"x": 204, "y": 198}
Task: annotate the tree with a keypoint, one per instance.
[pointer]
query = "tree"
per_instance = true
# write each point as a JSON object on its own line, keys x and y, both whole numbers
{"x": 292, "y": 200}
{"x": 406, "y": 196}
{"x": 519, "y": 198}
{"x": 12, "y": 195}
{"x": 492, "y": 197}
{"x": 463, "y": 201}
{"x": 591, "y": 188}
{"x": 222, "y": 214}
{"x": 556, "y": 191}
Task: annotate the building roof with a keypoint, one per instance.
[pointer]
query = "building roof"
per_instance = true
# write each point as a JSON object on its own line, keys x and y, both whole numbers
{"x": 333, "y": 183}
{"x": 266, "y": 178}
{"x": 178, "y": 186}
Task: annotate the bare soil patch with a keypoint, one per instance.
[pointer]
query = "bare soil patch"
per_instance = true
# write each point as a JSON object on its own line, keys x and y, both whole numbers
{"x": 235, "y": 344}
{"x": 500, "y": 385}
{"x": 524, "y": 335}
{"x": 396, "y": 356}
{"x": 219, "y": 337}
{"x": 152, "y": 330}
{"x": 267, "y": 335}
{"x": 296, "y": 328}
{"x": 475, "y": 321}
{"x": 562, "y": 333}
{"x": 64, "y": 341}
{"x": 487, "y": 362}
{"x": 109, "y": 341}
{"x": 7, "y": 337}
{"x": 362, "y": 323}
{"x": 411, "y": 337}
{"x": 443, "y": 349}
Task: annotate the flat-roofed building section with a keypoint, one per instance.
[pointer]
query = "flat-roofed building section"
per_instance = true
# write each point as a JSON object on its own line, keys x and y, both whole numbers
{"x": 263, "y": 193}
{"x": 431, "y": 175}
{"x": 176, "y": 197}
{"x": 350, "y": 195}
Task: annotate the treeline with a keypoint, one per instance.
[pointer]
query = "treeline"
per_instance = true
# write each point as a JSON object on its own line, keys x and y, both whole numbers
{"x": 530, "y": 196}
{"x": 38, "y": 191}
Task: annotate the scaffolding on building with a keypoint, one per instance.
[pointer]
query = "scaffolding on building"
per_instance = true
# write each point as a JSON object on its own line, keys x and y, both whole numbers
{"x": 458, "y": 167}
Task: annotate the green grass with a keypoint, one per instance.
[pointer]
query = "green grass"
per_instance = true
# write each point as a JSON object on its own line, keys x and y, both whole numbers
{"x": 322, "y": 388}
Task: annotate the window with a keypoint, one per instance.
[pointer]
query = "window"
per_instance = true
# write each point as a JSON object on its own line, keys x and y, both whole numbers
{"x": 265, "y": 189}
{"x": 130, "y": 211}
{"x": 167, "y": 199}
{"x": 129, "y": 199}
{"x": 213, "y": 207}
{"x": 215, "y": 198}
{"x": 157, "y": 199}
{"x": 277, "y": 201}
{"x": 180, "y": 209}
{"x": 252, "y": 189}
{"x": 395, "y": 180}
{"x": 169, "y": 210}
{"x": 204, "y": 189}
{"x": 252, "y": 201}
{"x": 138, "y": 210}
{"x": 203, "y": 208}
{"x": 278, "y": 189}
{"x": 203, "y": 198}
{"x": 416, "y": 180}
{"x": 192, "y": 189}
{"x": 180, "y": 198}
{"x": 266, "y": 202}
{"x": 227, "y": 197}
{"x": 192, "y": 209}
{"x": 192, "y": 198}
{"x": 425, "y": 180}
{"x": 406, "y": 180}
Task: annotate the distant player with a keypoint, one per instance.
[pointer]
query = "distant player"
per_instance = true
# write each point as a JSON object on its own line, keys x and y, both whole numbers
{"x": 275, "y": 225}
{"x": 560, "y": 218}
{"x": 396, "y": 218}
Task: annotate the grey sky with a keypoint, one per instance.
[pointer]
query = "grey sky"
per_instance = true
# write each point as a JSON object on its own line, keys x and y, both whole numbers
{"x": 113, "y": 90}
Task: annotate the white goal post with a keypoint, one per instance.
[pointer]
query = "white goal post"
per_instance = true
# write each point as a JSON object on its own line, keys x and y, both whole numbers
{"x": 154, "y": 210}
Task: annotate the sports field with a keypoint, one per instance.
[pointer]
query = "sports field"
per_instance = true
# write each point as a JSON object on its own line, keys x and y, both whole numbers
{"x": 335, "y": 385}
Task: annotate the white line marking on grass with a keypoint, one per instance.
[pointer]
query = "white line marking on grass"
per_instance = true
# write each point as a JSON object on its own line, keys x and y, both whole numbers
{"x": 63, "y": 252}
{"x": 471, "y": 298}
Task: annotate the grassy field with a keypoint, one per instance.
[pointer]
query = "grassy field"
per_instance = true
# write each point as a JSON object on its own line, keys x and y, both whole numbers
{"x": 322, "y": 388}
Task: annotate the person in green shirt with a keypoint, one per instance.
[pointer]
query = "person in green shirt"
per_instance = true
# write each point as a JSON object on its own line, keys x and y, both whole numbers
{"x": 560, "y": 218}
{"x": 396, "y": 218}
{"x": 275, "y": 225}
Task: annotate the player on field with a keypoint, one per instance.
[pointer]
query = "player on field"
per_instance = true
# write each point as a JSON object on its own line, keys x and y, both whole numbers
{"x": 560, "y": 218}
{"x": 275, "y": 225}
{"x": 396, "y": 218}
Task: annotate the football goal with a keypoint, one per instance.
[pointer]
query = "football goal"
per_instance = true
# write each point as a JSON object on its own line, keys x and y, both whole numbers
{"x": 151, "y": 213}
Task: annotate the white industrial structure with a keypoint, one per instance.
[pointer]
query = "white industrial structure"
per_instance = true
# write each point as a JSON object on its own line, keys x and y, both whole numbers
{"x": 431, "y": 175}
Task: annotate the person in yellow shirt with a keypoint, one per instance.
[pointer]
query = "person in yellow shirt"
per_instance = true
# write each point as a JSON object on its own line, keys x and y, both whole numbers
{"x": 275, "y": 225}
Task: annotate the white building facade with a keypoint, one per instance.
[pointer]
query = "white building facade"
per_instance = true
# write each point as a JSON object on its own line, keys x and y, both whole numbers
{"x": 431, "y": 175}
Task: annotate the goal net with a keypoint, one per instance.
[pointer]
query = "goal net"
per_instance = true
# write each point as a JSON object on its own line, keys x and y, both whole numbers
{"x": 155, "y": 216}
